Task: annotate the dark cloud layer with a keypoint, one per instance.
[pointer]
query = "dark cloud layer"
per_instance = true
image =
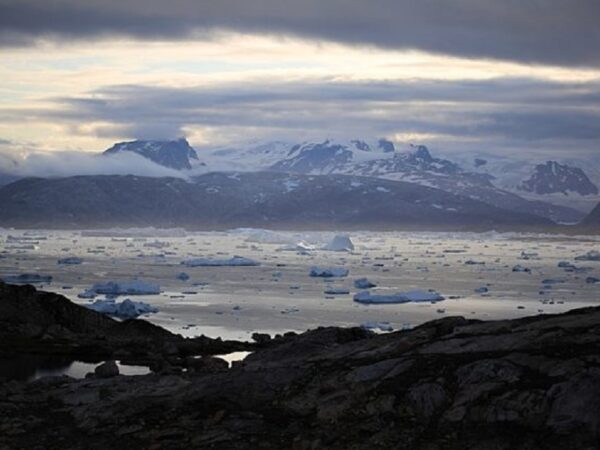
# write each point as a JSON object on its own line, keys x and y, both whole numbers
{"x": 562, "y": 32}
{"x": 522, "y": 112}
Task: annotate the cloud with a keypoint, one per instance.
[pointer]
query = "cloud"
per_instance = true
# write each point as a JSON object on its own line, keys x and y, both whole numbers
{"x": 492, "y": 112}
{"x": 65, "y": 164}
{"x": 556, "y": 32}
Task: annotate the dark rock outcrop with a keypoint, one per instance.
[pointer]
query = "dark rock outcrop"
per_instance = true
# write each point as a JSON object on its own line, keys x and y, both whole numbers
{"x": 552, "y": 178}
{"x": 260, "y": 199}
{"x": 531, "y": 383}
{"x": 173, "y": 154}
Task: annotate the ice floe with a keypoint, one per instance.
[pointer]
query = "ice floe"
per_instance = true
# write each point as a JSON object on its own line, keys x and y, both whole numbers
{"x": 135, "y": 287}
{"x": 399, "y": 297}
{"x": 363, "y": 283}
{"x": 127, "y": 309}
{"x": 27, "y": 278}
{"x": 328, "y": 272}
{"x": 209, "y": 262}
{"x": 70, "y": 261}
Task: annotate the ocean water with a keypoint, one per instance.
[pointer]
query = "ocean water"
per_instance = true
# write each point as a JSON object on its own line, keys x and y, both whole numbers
{"x": 279, "y": 295}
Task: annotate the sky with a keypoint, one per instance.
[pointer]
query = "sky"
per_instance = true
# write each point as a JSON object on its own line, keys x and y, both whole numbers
{"x": 510, "y": 77}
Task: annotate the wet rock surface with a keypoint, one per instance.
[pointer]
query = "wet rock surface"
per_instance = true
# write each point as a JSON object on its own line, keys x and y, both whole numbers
{"x": 531, "y": 383}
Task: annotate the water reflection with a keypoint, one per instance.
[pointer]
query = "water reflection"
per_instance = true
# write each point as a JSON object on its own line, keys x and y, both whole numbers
{"x": 33, "y": 367}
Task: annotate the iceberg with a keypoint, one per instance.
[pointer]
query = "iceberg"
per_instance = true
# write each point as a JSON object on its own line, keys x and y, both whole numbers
{"x": 183, "y": 276}
{"x": 400, "y": 297}
{"x": 70, "y": 261}
{"x": 208, "y": 262}
{"x": 340, "y": 243}
{"x": 381, "y": 326}
{"x": 328, "y": 273}
{"x": 27, "y": 278}
{"x": 592, "y": 255}
{"x": 337, "y": 291}
{"x": 301, "y": 246}
{"x": 127, "y": 309}
{"x": 135, "y": 287}
{"x": 363, "y": 283}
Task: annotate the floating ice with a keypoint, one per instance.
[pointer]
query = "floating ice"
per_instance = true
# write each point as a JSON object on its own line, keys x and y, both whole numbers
{"x": 301, "y": 246}
{"x": 337, "y": 291}
{"x": 88, "y": 293}
{"x": 70, "y": 261}
{"x": 381, "y": 326}
{"x": 183, "y": 276}
{"x": 340, "y": 243}
{"x": 363, "y": 283}
{"x": 471, "y": 262}
{"x": 481, "y": 290}
{"x": 208, "y": 262}
{"x": 592, "y": 255}
{"x": 520, "y": 268}
{"x": 27, "y": 278}
{"x": 592, "y": 280}
{"x": 135, "y": 287}
{"x": 328, "y": 273}
{"x": 400, "y": 297}
{"x": 127, "y": 309}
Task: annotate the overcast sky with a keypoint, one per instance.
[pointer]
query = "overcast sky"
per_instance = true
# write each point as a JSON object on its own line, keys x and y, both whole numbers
{"x": 505, "y": 76}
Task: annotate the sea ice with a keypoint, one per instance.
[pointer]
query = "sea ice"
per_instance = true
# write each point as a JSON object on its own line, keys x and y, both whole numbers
{"x": 328, "y": 273}
{"x": 27, "y": 278}
{"x": 337, "y": 291}
{"x": 592, "y": 255}
{"x": 400, "y": 297}
{"x": 135, "y": 287}
{"x": 208, "y": 262}
{"x": 363, "y": 283}
{"x": 73, "y": 260}
{"x": 127, "y": 309}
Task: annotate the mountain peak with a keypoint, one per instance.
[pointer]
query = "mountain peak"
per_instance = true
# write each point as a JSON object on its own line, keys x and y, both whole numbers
{"x": 173, "y": 154}
{"x": 422, "y": 152}
{"x": 553, "y": 177}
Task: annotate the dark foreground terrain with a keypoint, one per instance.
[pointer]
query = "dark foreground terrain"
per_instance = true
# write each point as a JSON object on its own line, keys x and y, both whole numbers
{"x": 532, "y": 383}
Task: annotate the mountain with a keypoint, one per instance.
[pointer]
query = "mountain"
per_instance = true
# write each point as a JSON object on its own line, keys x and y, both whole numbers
{"x": 593, "y": 219}
{"x": 552, "y": 177}
{"x": 415, "y": 166}
{"x": 252, "y": 199}
{"x": 173, "y": 154}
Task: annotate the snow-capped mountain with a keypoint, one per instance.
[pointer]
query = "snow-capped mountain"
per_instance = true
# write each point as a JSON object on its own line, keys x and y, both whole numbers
{"x": 552, "y": 178}
{"x": 173, "y": 154}
{"x": 415, "y": 165}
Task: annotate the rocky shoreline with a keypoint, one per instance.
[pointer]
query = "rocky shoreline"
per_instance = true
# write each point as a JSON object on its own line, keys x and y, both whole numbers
{"x": 530, "y": 383}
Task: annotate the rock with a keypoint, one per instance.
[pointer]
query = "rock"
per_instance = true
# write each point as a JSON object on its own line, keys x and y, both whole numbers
{"x": 261, "y": 338}
{"x": 108, "y": 369}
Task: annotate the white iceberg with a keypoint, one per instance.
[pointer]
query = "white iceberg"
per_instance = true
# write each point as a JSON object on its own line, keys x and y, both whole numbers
{"x": 399, "y": 297}
{"x": 340, "y": 243}
{"x": 381, "y": 326}
{"x": 328, "y": 272}
{"x": 301, "y": 246}
{"x": 208, "y": 262}
{"x": 135, "y": 287}
{"x": 127, "y": 309}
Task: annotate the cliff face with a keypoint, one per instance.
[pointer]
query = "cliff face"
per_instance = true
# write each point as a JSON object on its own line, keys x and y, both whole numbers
{"x": 453, "y": 383}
